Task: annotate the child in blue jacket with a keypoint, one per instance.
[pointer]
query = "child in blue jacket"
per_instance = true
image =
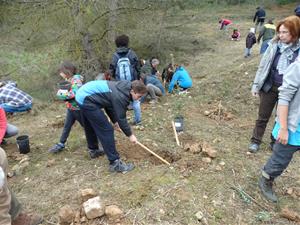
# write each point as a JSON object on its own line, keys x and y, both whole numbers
{"x": 180, "y": 77}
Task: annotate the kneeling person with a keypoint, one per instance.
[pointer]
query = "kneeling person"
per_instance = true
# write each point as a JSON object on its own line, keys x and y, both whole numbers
{"x": 114, "y": 97}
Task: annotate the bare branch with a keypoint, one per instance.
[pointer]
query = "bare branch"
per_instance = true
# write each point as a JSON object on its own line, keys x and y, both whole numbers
{"x": 118, "y": 9}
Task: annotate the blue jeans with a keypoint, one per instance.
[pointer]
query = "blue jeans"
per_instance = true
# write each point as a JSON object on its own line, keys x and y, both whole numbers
{"x": 71, "y": 117}
{"x": 97, "y": 126}
{"x": 279, "y": 160}
{"x": 12, "y": 109}
{"x": 264, "y": 46}
{"x": 136, "y": 105}
{"x": 247, "y": 51}
{"x": 11, "y": 131}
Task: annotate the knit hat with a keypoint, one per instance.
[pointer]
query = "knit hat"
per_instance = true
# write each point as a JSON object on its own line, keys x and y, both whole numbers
{"x": 297, "y": 11}
{"x": 252, "y": 30}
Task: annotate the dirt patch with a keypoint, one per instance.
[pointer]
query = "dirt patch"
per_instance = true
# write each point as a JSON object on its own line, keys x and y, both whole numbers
{"x": 137, "y": 154}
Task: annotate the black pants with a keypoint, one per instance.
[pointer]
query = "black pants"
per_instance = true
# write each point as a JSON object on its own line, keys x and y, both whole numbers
{"x": 71, "y": 117}
{"x": 97, "y": 126}
{"x": 279, "y": 160}
{"x": 266, "y": 106}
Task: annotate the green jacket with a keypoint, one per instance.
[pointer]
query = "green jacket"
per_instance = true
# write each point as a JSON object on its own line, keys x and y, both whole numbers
{"x": 267, "y": 32}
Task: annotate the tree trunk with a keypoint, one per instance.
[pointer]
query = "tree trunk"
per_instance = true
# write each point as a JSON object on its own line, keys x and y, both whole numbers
{"x": 112, "y": 20}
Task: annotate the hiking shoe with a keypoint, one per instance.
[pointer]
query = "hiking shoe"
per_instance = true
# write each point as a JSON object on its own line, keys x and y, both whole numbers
{"x": 136, "y": 123}
{"x": 27, "y": 219}
{"x": 95, "y": 153}
{"x": 57, "y": 148}
{"x": 266, "y": 187}
{"x": 119, "y": 166}
{"x": 253, "y": 147}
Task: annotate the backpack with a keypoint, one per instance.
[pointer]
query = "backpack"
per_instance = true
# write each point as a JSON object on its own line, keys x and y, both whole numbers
{"x": 124, "y": 70}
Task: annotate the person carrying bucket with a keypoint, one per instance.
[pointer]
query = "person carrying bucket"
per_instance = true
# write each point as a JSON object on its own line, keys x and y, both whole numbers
{"x": 67, "y": 92}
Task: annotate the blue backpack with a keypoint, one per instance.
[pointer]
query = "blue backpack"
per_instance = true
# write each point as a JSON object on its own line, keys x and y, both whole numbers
{"x": 124, "y": 69}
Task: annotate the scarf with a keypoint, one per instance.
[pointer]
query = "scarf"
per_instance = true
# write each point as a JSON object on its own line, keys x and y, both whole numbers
{"x": 287, "y": 53}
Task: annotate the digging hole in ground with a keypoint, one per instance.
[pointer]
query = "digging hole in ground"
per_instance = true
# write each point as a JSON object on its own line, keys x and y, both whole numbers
{"x": 137, "y": 154}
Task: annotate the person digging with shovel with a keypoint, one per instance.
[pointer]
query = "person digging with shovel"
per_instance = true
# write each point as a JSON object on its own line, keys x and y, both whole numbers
{"x": 113, "y": 97}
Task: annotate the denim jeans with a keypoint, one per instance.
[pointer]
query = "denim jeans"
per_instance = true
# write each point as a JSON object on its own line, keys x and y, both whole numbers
{"x": 153, "y": 91}
{"x": 11, "y": 131}
{"x": 247, "y": 51}
{"x": 279, "y": 160}
{"x": 136, "y": 105}
{"x": 12, "y": 109}
{"x": 97, "y": 127}
{"x": 264, "y": 46}
{"x": 71, "y": 117}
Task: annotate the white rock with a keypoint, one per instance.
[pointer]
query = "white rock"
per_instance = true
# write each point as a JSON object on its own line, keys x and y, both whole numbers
{"x": 93, "y": 208}
{"x": 199, "y": 215}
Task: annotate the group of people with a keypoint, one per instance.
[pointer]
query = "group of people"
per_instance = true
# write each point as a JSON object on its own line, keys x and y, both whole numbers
{"x": 128, "y": 82}
{"x": 99, "y": 106}
{"x": 277, "y": 82}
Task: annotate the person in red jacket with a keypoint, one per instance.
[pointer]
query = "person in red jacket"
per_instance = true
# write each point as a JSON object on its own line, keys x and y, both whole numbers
{"x": 224, "y": 23}
{"x": 6, "y": 130}
{"x": 10, "y": 208}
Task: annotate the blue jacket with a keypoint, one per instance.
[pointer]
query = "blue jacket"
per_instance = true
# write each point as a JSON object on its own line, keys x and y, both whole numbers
{"x": 112, "y": 96}
{"x": 152, "y": 79}
{"x": 182, "y": 77}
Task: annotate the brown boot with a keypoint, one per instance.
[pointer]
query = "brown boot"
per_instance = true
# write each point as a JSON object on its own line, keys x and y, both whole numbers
{"x": 27, "y": 219}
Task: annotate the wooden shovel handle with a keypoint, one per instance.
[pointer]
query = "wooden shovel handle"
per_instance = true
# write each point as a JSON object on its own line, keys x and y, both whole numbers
{"x": 153, "y": 153}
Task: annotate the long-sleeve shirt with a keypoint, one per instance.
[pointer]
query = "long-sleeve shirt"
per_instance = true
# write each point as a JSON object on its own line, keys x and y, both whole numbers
{"x": 13, "y": 96}
{"x": 182, "y": 77}
{"x": 69, "y": 95}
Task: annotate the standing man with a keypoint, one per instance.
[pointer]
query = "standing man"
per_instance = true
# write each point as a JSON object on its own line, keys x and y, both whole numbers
{"x": 259, "y": 16}
{"x": 286, "y": 130}
{"x": 125, "y": 65}
{"x": 266, "y": 33}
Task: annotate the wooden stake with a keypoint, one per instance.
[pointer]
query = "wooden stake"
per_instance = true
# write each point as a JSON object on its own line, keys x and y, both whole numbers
{"x": 153, "y": 153}
{"x": 175, "y": 133}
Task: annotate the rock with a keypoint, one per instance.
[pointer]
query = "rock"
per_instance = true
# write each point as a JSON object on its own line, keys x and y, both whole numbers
{"x": 195, "y": 148}
{"x": 222, "y": 163}
{"x": 199, "y": 215}
{"x": 66, "y": 215}
{"x": 208, "y": 150}
{"x": 206, "y": 112}
{"x": 289, "y": 214}
{"x": 86, "y": 194}
{"x": 290, "y": 191}
{"x": 218, "y": 168}
{"x": 77, "y": 217}
{"x": 206, "y": 159}
{"x": 50, "y": 162}
{"x": 83, "y": 219}
{"x": 113, "y": 212}
{"x": 93, "y": 208}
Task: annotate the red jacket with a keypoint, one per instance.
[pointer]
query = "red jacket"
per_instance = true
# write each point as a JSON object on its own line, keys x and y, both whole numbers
{"x": 3, "y": 124}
